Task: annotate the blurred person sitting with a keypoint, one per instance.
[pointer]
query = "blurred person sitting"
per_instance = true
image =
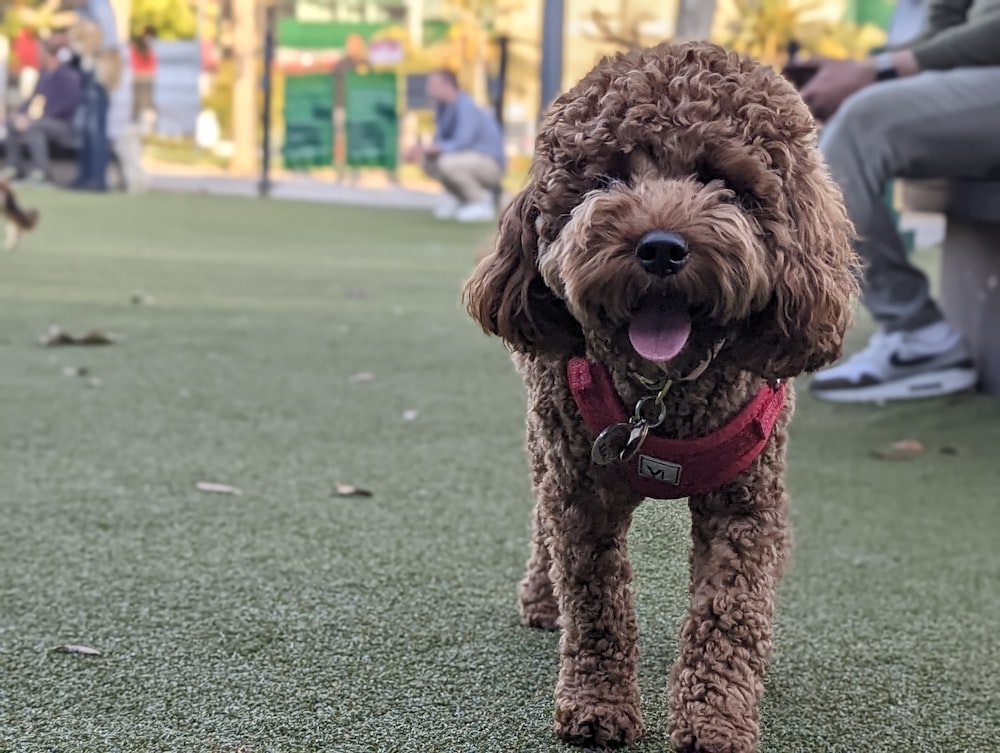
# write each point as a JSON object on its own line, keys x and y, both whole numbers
{"x": 466, "y": 155}
{"x": 928, "y": 108}
{"x": 45, "y": 118}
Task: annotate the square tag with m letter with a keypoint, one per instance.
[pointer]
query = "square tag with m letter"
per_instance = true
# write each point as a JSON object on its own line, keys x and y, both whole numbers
{"x": 659, "y": 470}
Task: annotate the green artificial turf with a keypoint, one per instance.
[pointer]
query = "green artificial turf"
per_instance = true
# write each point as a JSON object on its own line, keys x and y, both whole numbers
{"x": 291, "y": 619}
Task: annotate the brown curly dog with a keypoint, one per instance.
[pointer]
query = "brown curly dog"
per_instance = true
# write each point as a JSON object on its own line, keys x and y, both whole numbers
{"x": 679, "y": 240}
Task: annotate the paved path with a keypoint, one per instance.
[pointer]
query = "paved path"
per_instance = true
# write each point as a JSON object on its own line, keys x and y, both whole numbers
{"x": 929, "y": 228}
{"x": 299, "y": 189}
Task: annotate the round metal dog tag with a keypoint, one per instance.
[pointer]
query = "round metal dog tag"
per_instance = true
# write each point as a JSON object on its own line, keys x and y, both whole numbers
{"x": 610, "y": 444}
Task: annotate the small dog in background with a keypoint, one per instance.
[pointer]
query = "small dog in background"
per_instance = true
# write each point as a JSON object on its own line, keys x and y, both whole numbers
{"x": 18, "y": 220}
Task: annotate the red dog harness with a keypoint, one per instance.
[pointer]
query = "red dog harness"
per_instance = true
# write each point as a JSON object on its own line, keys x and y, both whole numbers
{"x": 676, "y": 468}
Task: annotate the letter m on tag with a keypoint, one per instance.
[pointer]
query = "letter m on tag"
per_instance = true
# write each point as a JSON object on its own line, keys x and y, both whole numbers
{"x": 659, "y": 470}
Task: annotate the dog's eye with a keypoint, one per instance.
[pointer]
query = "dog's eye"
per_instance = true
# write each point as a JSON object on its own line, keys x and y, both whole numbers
{"x": 731, "y": 194}
{"x": 727, "y": 194}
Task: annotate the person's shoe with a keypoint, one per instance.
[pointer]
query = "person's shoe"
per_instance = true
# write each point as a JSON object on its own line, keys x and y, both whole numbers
{"x": 37, "y": 177}
{"x": 928, "y": 362}
{"x": 476, "y": 213}
{"x": 446, "y": 210}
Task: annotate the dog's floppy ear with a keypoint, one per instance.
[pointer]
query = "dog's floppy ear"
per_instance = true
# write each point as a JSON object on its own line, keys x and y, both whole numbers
{"x": 506, "y": 293}
{"x": 816, "y": 277}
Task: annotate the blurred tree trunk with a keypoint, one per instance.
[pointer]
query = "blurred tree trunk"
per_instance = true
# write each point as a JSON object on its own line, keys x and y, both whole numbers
{"x": 123, "y": 18}
{"x": 694, "y": 19}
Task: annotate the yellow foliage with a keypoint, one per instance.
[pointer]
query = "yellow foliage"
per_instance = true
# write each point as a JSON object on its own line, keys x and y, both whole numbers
{"x": 850, "y": 41}
{"x": 466, "y": 47}
{"x": 763, "y": 29}
{"x": 43, "y": 19}
{"x": 462, "y": 43}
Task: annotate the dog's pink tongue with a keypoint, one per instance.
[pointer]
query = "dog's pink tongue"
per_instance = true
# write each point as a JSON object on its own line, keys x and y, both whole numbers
{"x": 660, "y": 329}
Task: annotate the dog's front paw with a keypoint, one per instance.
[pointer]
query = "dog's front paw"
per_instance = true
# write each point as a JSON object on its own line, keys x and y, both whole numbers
{"x": 541, "y": 614}
{"x": 709, "y": 733}
{"x": 598, "y": 724}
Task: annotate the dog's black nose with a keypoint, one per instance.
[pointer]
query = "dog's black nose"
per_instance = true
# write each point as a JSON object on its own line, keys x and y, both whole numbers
{"x": 661, "y": 253}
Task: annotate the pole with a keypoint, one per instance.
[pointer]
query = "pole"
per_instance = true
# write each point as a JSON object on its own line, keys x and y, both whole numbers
{"x": 245, "y": 41}
{"x": 415, "y": 23}
{"x": 123, "y": 18}
{"x": 503, "y": 42}
{"x": 265, "y": 157}
{"x": 694, "y": 19}
{"x": 552, "y": 52}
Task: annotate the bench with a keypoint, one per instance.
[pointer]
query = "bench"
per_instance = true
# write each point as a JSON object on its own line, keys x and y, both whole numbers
{"x": 970, "y": 263}
{"x": 64, "y": 159}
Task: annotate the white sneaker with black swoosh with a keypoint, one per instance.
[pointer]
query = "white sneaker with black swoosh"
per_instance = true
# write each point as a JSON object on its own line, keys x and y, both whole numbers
{"x": 928, "y": 362}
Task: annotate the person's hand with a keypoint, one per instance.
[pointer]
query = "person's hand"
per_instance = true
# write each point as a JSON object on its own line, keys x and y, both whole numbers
{"x": 835, "y": 81}
{"x": 413, "y": 154}
{"x": 21, "y": 122}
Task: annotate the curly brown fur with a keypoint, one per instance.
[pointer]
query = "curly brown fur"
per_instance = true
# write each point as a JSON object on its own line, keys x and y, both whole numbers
{"x": 20, "y": 220}
{"x": 712, "y": 146}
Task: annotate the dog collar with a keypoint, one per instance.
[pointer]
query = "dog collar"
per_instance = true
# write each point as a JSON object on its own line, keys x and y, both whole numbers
{"x": 677, "y": 468}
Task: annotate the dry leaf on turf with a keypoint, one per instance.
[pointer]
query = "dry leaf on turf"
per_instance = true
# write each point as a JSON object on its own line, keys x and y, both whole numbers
{"x": 362, "y": 376}
{"x": 904, "y": 449}
{"x": 346, "y": 490}
{"x": 75, "y": 371}
{"x": 56, "y": 335}
{"x": 95, "y": 337}
{"x": 75, "y": 648}
{"x": 410, "y": 415}
{"x": 212, "y": 488}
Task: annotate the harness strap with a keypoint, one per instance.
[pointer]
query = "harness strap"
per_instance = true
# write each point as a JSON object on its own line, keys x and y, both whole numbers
{"x": 677, "y": 468}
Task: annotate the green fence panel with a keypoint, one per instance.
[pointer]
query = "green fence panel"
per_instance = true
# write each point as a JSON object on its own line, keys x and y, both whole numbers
{"x": 333, "y": 35}
{"x": 372, "y": 120}
{"x": 878, "y": 12}
{"x": 308, "y": 115}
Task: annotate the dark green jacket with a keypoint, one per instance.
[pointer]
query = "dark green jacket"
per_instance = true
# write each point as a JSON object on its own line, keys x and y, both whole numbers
{"x": 958, "y": 34}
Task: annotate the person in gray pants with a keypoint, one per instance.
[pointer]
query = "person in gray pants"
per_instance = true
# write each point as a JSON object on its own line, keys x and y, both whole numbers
{"x": 45, "y": 118}
{"x": 929, "y": 108}
{"x": 467, "y": 154}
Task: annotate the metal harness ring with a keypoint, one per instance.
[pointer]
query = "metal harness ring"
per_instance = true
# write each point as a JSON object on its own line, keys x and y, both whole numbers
{"x": 641, "y": 407}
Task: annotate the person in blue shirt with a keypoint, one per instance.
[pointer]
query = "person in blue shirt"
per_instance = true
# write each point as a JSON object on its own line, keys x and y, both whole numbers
{"x": 44, "y": 118}
{"x": 466, "y": 155}
{"x": 97, "y": 44}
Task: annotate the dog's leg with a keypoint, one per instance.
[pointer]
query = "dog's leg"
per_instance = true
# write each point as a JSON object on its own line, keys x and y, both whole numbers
{"x": 12, "y": 235}
{"x": 740, "y": 542}
{"x": 539, "y": 608}
{"x": 597, "y": 696}
{"x": 582, "y": 519}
